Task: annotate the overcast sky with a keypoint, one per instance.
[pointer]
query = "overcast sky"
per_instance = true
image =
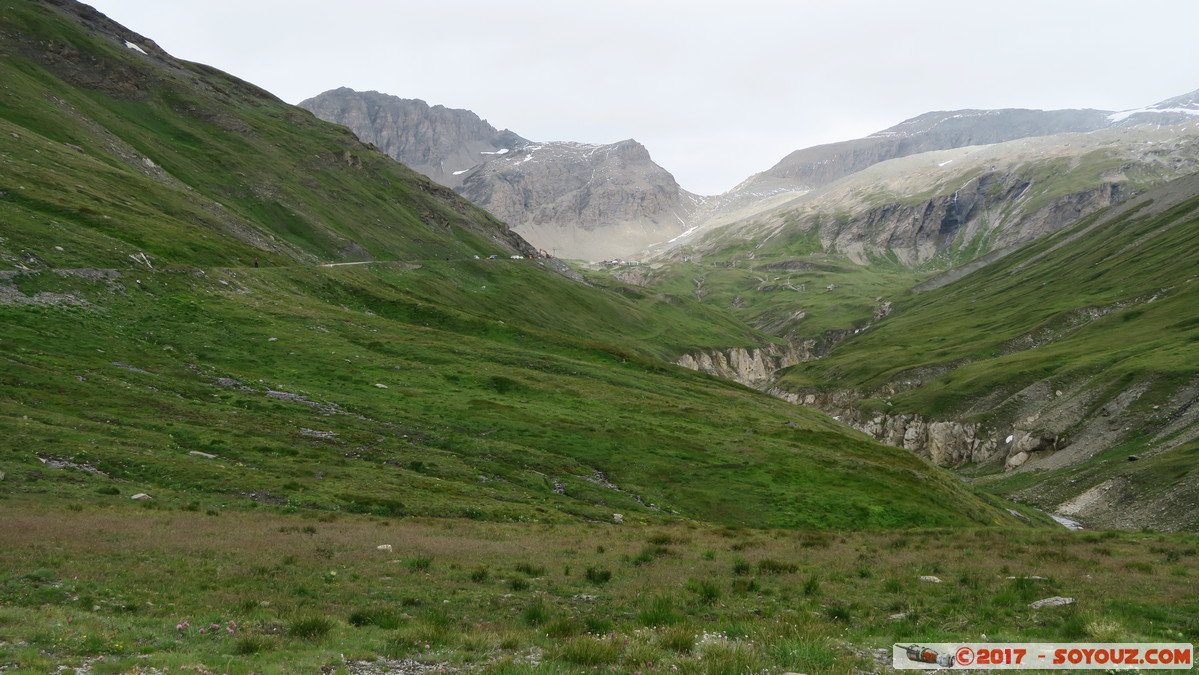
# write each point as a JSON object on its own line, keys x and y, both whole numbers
{"x": 717, "y": 91}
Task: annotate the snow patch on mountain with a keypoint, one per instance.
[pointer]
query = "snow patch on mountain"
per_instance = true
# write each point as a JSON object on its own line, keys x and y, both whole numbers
{"x": 1123, "y": 115}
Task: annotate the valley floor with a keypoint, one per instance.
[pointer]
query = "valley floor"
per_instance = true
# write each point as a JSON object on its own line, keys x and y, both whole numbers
{"x": 91, "y": 588}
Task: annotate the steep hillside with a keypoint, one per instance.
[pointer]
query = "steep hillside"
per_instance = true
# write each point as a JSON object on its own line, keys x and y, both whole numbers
{"x": 1069, "y": 365}
{"x": 115, "y": 149}
{"x": 583, "y": 201}
{"x": 167, "y": 331}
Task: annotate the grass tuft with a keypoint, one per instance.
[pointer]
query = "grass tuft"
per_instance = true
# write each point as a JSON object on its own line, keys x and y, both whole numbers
{"x": 311, "y": 628}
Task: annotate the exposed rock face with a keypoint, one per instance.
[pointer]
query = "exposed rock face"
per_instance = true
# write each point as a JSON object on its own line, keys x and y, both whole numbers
{"x": 442, "y": 143}
{"x": 604, "y": 201}
{"x": 916, "y": 233}
{"x": 756, "y": 367}
{"x": 753, "y": 367}
{"x": 571, "y": 199}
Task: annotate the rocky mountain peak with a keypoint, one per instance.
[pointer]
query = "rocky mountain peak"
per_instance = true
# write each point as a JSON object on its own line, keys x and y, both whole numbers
{"x": 442, "y": 143}
{"x": 588, "y": 201}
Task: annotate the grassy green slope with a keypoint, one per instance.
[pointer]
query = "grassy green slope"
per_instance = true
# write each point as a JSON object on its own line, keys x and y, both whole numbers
{"x": 777, "y": 290}
{"x": 110, "y": 152}
{"x": 276, "y": 372}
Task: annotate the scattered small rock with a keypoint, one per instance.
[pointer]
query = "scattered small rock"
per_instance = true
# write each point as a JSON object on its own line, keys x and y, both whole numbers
{"x": 1055, "y": 601}
{"x": 930, "y": 579}
{"x": 272, "y": 339}
{"x": 398, "y": 667}
{"x": 327, "y": 408}
{"x": 384, "y": 547}
{"x": 141, "y": 496}
{"x": 898, "y": 617}
{"x": 315, "y": 433}
{"x": 381, "y": 386}
{"x": 197, "y": 453}
{"x": 61, "y": 463}
{"x": 1016, "y": 460}
{"x": 1029, "y": 578}
{"x": 230, "y": 382}
{"x": 618, "y": 518}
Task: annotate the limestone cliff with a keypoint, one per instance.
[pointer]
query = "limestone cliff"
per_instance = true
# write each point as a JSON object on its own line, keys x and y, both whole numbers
{"x": 586, "y": 201}
{"x": 752, "y": 366}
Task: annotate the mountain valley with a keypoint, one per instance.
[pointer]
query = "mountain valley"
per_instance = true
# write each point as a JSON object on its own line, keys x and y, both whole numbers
{"x": 276, "y": 402}
{"x": 575, "y": 200}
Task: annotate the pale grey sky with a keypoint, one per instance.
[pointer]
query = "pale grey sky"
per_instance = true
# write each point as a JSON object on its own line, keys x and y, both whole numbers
{"x": 717, "y": 91}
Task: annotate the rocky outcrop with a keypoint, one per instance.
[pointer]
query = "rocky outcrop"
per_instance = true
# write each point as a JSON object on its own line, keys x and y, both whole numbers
{"x": 753, "y": 367}
{"x": 998, "y": 208}
{"x": 757, "y": 367}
